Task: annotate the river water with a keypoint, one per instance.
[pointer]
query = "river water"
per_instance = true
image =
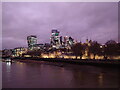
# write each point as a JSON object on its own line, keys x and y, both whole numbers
{"x": 42, "y": 75}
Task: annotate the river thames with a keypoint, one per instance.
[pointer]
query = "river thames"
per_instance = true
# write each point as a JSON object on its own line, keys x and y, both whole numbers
{"x": 53, "y": 75}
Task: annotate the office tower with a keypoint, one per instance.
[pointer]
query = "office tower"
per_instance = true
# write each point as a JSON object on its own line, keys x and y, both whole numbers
{"x": 71, "y": 41}
{"x": 55, "y": 39}
{"x": 68, "y": 41}
{"x": 61, "y": 42}
{"x": 32, "y": 40}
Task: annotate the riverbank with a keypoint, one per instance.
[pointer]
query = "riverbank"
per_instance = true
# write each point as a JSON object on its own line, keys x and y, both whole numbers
{"x": 96, "y": 62}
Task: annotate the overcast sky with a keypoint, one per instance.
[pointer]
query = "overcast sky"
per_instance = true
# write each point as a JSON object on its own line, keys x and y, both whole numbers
{"x": 96, "y": 21}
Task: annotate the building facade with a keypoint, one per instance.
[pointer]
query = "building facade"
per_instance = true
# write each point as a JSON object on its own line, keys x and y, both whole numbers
{"x": 68, "y": 41}
{"x": 32, "y": 41}
{"x": 19, "y": 51}
{"x": 56, "y": 40}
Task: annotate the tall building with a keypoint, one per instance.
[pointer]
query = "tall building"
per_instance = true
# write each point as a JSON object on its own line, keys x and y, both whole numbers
{"x": 32, "y": 40}
{"x": 71, "y": 41}
{"x": 55, "y": 39}
{"x": 68, "y": 41}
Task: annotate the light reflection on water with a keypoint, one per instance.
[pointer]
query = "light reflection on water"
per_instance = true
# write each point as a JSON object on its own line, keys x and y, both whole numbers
{"x": 8, "y": 67}
{"x": 100, "y": 79}
{"x": 33, "y": 75}
{"x": 8, "y": 63}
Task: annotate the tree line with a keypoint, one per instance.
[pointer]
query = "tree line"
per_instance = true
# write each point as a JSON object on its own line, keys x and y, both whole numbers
{"x": 109, "y": 49}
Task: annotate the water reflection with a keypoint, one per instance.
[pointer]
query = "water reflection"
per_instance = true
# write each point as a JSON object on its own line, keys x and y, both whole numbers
{"x": 8, "y": 63}
{"x": 62, "y": 69}
{"x": 33, "y": 75}
{"x": 100, "y": 79}
{"x": 8, "y": 67}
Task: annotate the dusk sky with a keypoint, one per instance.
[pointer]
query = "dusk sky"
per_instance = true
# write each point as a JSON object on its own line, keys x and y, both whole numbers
{"x": 96, "y": 21}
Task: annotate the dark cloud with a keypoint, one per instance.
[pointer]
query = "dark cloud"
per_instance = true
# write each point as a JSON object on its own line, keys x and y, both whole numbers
{"x": 98, "y": 21}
